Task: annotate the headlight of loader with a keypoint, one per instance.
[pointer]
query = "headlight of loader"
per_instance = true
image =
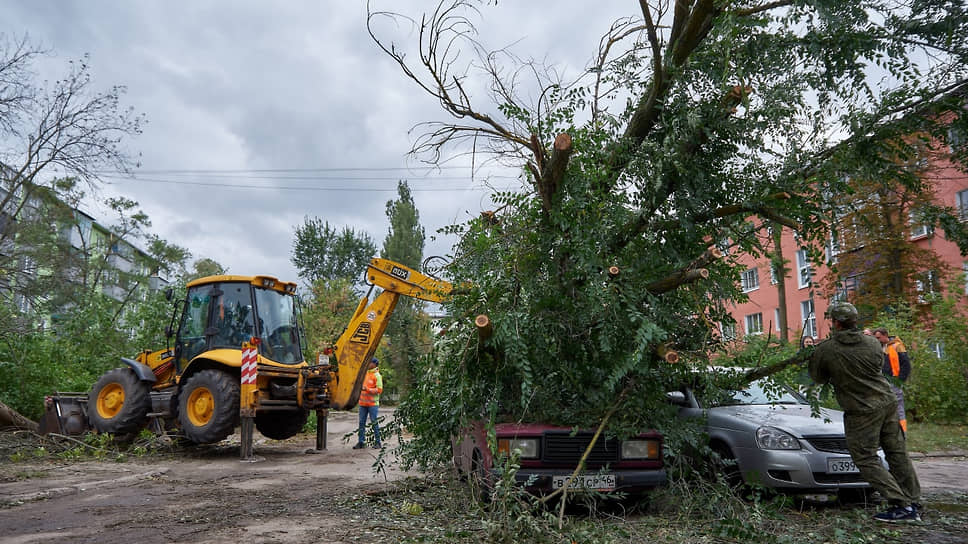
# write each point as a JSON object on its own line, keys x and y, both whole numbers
{"x": 771, "y": 438}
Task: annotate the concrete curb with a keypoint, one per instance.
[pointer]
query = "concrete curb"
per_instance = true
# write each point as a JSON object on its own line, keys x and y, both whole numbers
{"x": 937, "y": 454}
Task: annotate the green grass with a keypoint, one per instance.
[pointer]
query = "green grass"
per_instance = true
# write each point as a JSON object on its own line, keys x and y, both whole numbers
{"x": 931, "y": 437}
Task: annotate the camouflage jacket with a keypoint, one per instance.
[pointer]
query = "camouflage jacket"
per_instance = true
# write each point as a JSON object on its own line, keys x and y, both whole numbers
{"x": 851, "y": 362}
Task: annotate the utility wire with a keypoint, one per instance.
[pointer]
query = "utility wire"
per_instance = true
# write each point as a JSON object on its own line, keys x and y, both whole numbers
{"x": 297, "y": 188}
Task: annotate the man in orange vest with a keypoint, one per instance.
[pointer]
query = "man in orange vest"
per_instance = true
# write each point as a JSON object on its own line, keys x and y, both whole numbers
{"x": 897, "y": 368}
{"x": 370, "y": 404}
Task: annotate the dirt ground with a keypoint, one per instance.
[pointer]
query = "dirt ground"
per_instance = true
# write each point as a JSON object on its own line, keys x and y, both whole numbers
{"x": 285, "y": 496}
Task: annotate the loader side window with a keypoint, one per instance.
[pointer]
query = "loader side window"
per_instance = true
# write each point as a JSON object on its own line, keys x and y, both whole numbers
{"x": 191, "y": 332}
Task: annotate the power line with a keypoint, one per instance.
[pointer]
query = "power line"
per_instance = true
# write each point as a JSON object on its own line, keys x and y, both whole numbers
{"x": 297, "y": 188}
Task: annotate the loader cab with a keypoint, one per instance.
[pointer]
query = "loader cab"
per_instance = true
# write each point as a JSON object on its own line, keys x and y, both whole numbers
{"x": 222, "y": 312}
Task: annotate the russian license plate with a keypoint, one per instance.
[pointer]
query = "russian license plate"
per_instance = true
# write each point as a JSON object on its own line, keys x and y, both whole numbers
{"x": 841, "y": 465}
{"x": 597, "y": 482}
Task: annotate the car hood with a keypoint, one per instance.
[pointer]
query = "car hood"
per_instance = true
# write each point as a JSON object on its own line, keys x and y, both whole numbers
{"x": 795, "y": 419}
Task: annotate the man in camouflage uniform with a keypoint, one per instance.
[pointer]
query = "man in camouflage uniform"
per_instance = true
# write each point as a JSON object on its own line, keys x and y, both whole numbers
{"x": 851, "y": 362}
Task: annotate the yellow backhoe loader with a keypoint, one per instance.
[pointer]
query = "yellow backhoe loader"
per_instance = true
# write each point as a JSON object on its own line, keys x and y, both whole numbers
{"x": 233, "y": 329}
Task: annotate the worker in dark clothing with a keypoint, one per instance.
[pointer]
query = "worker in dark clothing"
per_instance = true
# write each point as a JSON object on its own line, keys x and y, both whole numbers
{"x": 851, "y": 362}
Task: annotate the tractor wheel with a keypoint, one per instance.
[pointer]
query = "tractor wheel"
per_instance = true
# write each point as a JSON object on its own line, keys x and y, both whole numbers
{"x": 208, "y": 406}
{"x": 118, "y": 402}
{"x": 281, "y": 425}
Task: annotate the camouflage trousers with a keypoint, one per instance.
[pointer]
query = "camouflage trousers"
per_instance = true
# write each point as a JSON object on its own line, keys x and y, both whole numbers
{"x": 868, "y": 430}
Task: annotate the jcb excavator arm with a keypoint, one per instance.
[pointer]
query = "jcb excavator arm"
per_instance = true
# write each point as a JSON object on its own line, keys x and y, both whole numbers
{"x": 356, "y": 345}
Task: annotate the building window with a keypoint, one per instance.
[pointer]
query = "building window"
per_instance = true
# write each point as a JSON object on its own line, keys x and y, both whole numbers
{"x": 774, "y": 278}
{"x": 927, "y": 285}
{"x": 833, "y": 247}
{"x": 751, "y": 280}
{"x": 937, "y": 348}
{"x": 956, "y": 138}
{"x": 728, "y": 331}
{"x": 962, "y": 205}
{"x": 776, "y": 319}
{"x": 803, "y": 269}
{"x": 964, "y": 268}
{"x": 917, "y": 229}
{"x": 754, "y": 324}
{"x": 808, "y": 318}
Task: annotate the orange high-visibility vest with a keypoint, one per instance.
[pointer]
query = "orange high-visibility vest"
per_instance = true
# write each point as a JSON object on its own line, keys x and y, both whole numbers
{"x": 373, "y": 380}
{"x": 891, "y": 351}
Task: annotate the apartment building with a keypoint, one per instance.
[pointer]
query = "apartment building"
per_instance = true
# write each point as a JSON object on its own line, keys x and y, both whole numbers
{"x": 807, "y": 287}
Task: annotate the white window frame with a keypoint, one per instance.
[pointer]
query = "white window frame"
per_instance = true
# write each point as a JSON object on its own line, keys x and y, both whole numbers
{"x": 937, "y": 348}
{"x": 964, "y": 269}
{"x": 754, "y": 324}
{"x": 774, "y": 278}
{"x": 750, "y": 280}
{"x": 776, "y": 319}
{"x": 727, "y": 331}
{"x": 803, "y": 269}
{"x": 961, "y": 204}
{"x": 926, "y": 288}
{"x": 917, "y": 230}
{"x": 808, "y": 317}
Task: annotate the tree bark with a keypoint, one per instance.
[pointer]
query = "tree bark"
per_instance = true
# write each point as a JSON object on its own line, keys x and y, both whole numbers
{"x": 10, "y": 419}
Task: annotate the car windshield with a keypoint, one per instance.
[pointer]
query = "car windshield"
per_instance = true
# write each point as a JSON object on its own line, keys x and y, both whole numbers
{"x": 759, "y": 392}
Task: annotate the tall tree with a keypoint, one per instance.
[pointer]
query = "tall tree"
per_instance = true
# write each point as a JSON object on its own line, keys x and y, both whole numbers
{"x": 698, "y": 122}
{"x": 408, "y": 331}
{"x": 877, "y": 266}
{"x": 319, "y": 251}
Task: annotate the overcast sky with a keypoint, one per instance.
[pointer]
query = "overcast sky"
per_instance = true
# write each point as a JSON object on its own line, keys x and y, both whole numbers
{"x": 240, "y": 95}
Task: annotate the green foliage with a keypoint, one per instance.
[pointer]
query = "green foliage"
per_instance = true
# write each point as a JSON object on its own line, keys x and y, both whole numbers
{"x": 321, "y": 252}
{"x": 326, "y": 311}
{"x": 937, "y": 390}
{"x": 587, "y": 274}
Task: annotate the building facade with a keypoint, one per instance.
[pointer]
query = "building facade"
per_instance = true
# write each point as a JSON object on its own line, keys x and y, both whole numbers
{"x": 807, "y": 288}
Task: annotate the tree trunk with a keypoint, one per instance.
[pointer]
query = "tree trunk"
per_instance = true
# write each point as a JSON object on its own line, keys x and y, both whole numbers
{"x": 10, "y": 419}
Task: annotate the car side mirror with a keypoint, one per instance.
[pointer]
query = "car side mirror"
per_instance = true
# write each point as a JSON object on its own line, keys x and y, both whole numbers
{"x": 676, "y": 397}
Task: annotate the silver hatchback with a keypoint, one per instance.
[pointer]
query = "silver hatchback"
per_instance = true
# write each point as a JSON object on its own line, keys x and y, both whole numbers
{"x": 774, "y": 440}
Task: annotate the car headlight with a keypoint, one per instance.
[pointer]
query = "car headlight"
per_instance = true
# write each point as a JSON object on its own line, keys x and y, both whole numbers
{"x": 771, "y": 438}
{"x": 527, "y": 446}
{"x": 640, "y": 449}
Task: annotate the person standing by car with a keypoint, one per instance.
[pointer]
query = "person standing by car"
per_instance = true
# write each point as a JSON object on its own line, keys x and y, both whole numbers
{"x": 370, "y": 404}
{"x": 897, "y": 368}
{"x": 851, "y": 362}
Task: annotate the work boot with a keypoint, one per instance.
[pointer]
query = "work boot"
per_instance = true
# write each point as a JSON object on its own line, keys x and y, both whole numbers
{"x": 378, "y": 446}
{"x": 359, "y": 446}
{"x": 899, "y": 514}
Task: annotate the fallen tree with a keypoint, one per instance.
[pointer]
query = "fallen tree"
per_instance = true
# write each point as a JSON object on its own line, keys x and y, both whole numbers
{"x": 11, "y": 419}
{"x": 697, "y": 129}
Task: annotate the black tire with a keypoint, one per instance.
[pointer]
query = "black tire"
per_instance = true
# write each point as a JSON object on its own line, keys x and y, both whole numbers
{"x": 281, "y": 425}
{"x": 208, "y": 406}
{"x": 726, "y": 465}
{"x": 118, "y": 402}
{"x": 480, "y": 480}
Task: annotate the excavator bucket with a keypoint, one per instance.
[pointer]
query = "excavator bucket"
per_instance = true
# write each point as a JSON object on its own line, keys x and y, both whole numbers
{"x": 64, "y": 413}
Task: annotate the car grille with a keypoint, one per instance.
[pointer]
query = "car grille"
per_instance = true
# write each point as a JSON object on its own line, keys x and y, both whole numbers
{"x": 833, "y": 444}
{"x": 567, "y": 449}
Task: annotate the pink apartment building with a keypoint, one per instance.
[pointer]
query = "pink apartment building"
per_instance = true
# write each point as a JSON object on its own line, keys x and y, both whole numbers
{"x": 806, "y": 300}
